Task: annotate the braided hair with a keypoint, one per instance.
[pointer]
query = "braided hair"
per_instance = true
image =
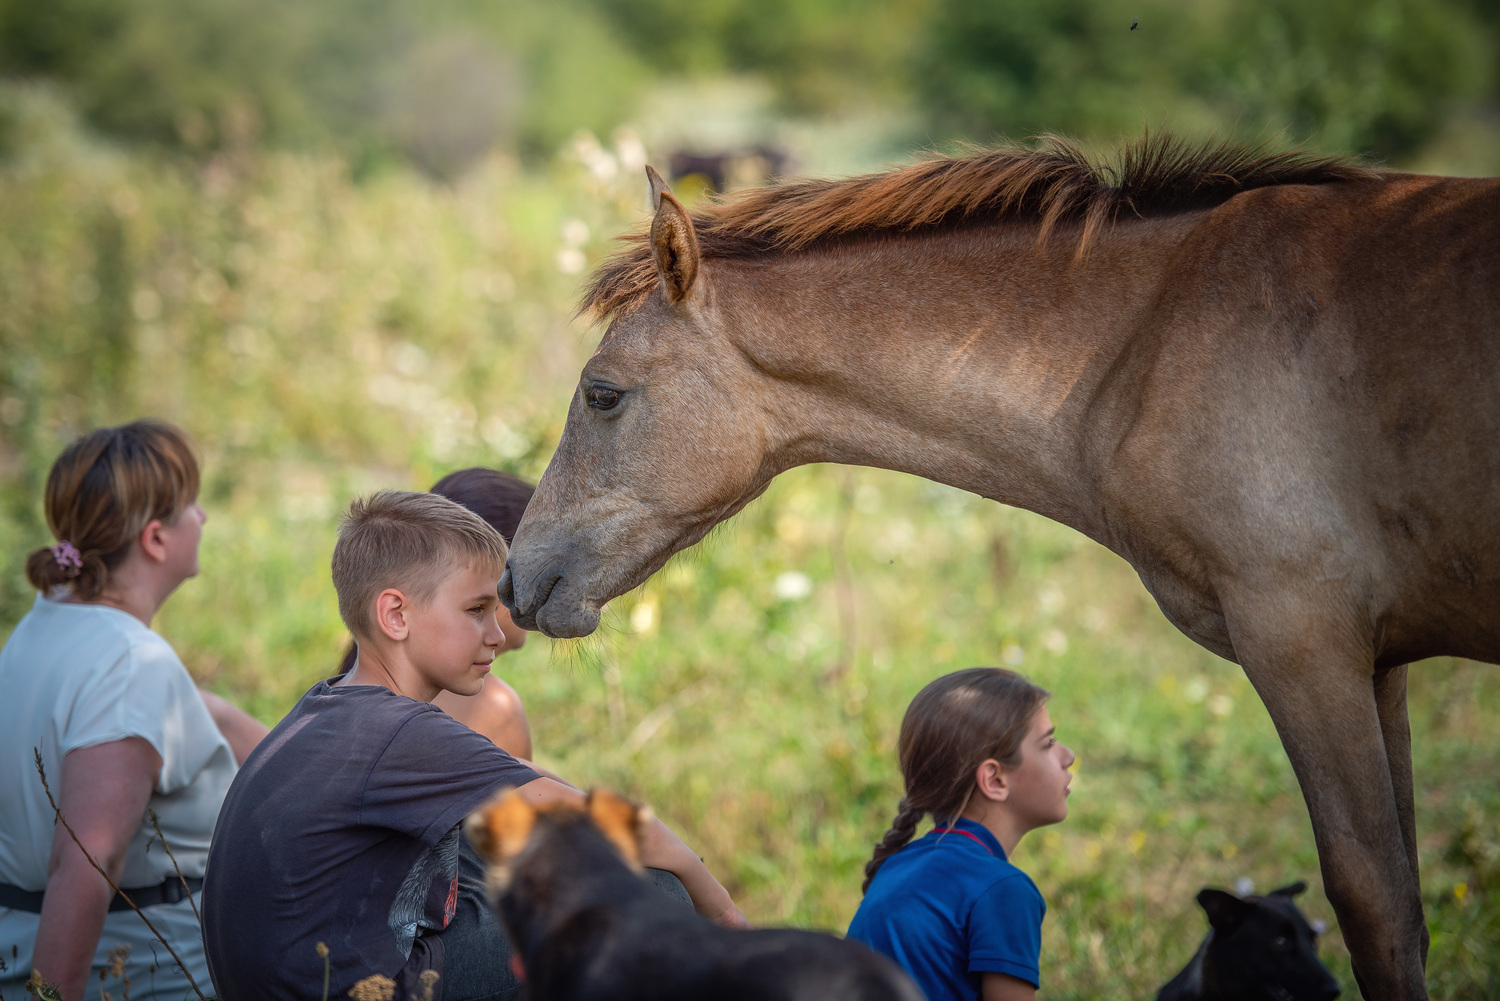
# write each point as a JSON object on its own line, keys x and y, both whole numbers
{"x": 954, "y": 725}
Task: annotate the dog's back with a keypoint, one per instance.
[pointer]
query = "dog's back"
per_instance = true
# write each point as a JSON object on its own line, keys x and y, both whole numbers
{"x": 587, "y": 926}
{"x": 1256, "y": 947}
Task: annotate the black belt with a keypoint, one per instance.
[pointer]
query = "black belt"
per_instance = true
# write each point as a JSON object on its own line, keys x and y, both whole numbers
{"x": 167, "y": 892}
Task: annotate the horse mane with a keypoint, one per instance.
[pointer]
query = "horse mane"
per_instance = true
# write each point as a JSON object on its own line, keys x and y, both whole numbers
{"x": 1056, "y": 182}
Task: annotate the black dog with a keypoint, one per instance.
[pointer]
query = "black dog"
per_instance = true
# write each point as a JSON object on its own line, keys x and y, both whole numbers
{"x": 587, "y": 926}
{"x": 1257, "y": 949}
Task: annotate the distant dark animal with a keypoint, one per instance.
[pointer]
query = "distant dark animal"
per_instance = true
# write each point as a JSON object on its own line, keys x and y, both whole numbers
{"x": 1135, "y": 24}
{"x": 1257, "y": 949}
{"x": 586, "y": 925}
{"x": 723, "y": 169}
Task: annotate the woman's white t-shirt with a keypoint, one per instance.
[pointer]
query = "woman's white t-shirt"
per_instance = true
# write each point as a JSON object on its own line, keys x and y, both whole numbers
{"x": 78, "y": 675}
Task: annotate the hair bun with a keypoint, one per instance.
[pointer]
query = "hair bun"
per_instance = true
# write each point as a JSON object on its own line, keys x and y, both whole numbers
{"x": 102, "y": 491}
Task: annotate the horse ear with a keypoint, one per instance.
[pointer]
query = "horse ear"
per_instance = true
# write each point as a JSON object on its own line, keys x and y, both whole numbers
{"x": 1224, "y": 909}
{"x": 657, "y": 185}
{"x": 1290, "y": 890}
{"x": 674, "y": 243}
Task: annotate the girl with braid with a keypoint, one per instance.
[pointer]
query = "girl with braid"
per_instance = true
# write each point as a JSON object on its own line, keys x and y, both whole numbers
{"x": 980, "y": 756}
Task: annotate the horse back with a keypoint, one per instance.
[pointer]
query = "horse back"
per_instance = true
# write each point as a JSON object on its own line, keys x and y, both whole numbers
{"x": 1318, "y": 388}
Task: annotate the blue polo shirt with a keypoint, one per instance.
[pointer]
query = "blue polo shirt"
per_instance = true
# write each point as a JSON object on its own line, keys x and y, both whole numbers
{"x": 949, "y": 907}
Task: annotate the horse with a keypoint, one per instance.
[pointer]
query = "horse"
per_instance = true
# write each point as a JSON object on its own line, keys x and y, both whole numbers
{"x": 1269, "y": 380}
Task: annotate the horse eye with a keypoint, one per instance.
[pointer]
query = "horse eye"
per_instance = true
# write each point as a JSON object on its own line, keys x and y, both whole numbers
{"x": 1279, "y": 942}
{"x": 602, "y": 397}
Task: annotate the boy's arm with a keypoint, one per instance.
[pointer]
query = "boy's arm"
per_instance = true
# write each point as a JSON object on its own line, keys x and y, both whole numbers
{"x": 660, "y": 849}
{"x": 544, "y": 773}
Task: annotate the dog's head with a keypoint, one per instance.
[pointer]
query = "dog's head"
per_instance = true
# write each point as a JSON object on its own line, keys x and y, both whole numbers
{"x": 1263, "y": 948}
{"x": 507, "y": 828}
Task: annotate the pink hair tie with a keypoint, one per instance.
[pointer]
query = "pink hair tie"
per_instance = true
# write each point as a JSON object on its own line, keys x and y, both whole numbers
{"x": 68, "y": 558}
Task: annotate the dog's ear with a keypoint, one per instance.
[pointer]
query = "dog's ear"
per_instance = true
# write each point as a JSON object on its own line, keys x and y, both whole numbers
{"x": 621, "y": 821}
{"x": 1290, "y": 890}
{"x": 1225, "y": 910}
{"x": 500, "y": 829}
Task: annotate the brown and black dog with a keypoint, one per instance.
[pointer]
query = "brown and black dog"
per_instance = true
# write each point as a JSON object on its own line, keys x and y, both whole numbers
{"x": 567, "y": 884}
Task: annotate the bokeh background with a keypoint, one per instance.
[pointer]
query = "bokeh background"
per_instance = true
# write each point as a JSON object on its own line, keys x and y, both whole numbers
{"x": 340, "y": 242}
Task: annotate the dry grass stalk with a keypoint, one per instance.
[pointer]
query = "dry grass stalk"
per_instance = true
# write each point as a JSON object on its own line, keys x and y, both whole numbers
{"x": 57, "y": 812}
{"x": 180, "y": 877}
{"x": 323, "y": 955}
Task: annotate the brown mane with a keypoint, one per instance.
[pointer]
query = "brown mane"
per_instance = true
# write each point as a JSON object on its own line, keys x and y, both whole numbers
{"x": 1056, "y": 182}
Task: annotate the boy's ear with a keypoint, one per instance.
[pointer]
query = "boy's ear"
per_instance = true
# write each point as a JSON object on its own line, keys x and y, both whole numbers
{"x": 390, "y": 614}
{"x": 500, "y": 829}
{"x": 621, "y": 821}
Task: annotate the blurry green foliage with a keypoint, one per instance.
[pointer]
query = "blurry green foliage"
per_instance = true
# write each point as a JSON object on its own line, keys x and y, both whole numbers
{"x": 326, "y": 321}
{"x": 372, "y": 76}
{"x": 322, "y": 336}
{"x": 196, "y": 72}
{"x": 439, "y": 82}
{"x": 1345, "y": 74}
{"x": 820, "y": 54}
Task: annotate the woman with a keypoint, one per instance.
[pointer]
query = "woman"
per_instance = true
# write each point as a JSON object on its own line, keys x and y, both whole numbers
{"x": 119, "y": 726}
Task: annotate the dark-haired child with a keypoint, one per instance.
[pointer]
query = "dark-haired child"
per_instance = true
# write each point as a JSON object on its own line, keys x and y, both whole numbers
{"x": 980, "y": 756}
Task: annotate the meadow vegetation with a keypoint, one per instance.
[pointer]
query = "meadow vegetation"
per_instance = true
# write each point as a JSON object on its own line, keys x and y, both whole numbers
{"x": 323, "y": 334}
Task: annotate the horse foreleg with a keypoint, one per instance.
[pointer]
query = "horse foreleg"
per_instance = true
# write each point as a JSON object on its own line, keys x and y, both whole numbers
{"x": 1319, "y": 688}
{"x": 1395, "y": 728}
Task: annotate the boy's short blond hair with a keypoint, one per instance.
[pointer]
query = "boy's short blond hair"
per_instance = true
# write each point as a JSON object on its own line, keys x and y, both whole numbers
{"x": 408, "y": 541}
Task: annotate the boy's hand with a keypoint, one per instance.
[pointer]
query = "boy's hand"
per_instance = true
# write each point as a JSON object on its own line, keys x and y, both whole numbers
{"x": 661, "y": 849}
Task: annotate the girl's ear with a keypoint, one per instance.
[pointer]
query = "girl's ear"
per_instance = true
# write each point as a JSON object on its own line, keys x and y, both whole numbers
{"x": 991, "y": 781}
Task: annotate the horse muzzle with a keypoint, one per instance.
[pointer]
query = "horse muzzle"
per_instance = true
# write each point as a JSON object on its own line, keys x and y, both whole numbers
{"x": 546, "y": 601}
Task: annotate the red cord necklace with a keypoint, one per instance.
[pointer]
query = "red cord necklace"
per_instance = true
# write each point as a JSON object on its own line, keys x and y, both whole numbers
{"x": 958, "y": 830}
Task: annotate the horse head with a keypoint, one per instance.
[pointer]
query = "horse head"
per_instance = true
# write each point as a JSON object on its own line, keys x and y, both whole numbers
{"x": 627, "y": 487}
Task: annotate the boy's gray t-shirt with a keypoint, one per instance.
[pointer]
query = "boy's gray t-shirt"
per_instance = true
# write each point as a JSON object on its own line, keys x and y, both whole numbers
{"x": 342, "y": 828}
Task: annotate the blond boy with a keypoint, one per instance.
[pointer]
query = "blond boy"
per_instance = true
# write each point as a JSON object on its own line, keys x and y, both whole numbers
{"x": 342, "y": 827}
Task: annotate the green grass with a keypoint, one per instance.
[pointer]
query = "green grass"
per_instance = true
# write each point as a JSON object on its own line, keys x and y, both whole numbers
{"x": 322, "y": 338}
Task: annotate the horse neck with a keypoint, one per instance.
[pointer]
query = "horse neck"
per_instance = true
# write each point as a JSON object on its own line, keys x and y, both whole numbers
{"x": 977, "y": 358}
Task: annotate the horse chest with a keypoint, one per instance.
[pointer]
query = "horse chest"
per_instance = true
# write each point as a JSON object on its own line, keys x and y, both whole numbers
{"x": 1187, "y": 598}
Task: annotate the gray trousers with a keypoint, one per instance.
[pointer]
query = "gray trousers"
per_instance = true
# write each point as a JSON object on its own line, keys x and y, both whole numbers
{"x": 476, "y": 950}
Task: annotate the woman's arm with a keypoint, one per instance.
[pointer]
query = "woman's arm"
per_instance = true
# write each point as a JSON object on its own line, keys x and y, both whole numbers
{"x": 103, "y": 794}
{"x": 242, "y": 730}
{"x": 660, "y": 849}
{"x": 1004, "y": 987}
